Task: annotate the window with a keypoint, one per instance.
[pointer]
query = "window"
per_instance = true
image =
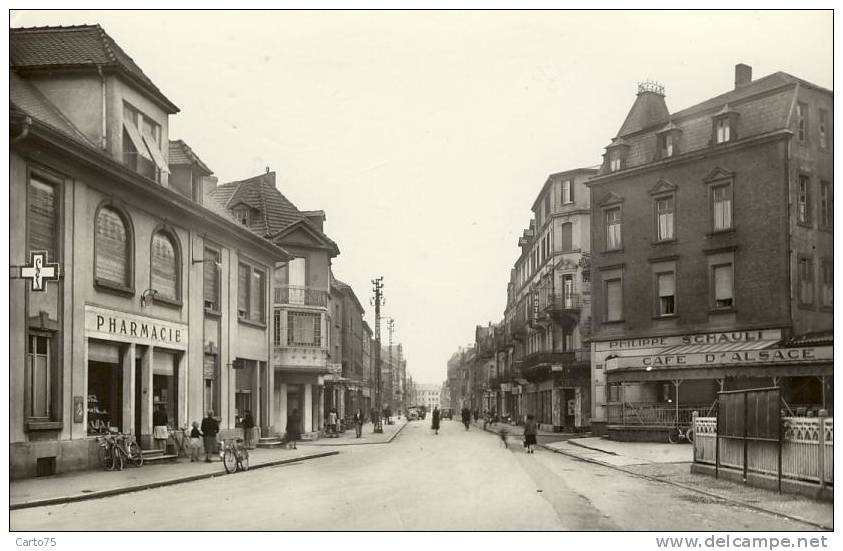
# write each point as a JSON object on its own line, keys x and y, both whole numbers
{"x": 211, "y": 280}
{"x": 142, "y": 144}
{"x": 723, "y": 286}
{"x": 243, "y": 273}
{"x": 546, "y": 207}
{"x": 613, "y": 229}
{"x": 721, "y": 197}
{"x": 666, "y": 286}
{"x": 257, "y": 296}
{"x": 614, "y": 160}
{"x": 803, "y": 215}
{"x": 664, "y": 218}
{"x": 565, "y": 237}
{"x": 666, "y": 144}
{"x": 113, "y": 247}
{"x": 567, "y": 192}
{"x": 42, "y": 221}
{"x": 304, "y": 329}
{"x": 722, "y": 130}
{"x": 165, "y": 267}
{"x": 614, "y": 300}
{"x": 209, "y": 376}
{"x": 826, "y": 205}
{"x": 242, "y": 215}
{"x": 806, "y": 280}
{"x": 823, "y": 128}
{"x": 827, "y": 289}
{"x": 801, "y": 121}
{"x": 39, "y": 377}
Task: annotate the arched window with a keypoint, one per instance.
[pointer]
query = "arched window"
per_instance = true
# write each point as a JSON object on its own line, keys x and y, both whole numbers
{"x": 113, "y": 248}
{"x": 165, "y": 266}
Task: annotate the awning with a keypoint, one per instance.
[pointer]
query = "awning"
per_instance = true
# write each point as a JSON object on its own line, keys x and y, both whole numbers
{"x": 718, "y": 347}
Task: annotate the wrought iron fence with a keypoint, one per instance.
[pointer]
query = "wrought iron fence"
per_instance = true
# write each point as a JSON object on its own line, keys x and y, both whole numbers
{"x": 291, "y": 294}
{"x": 807, "y": 449}
{"x": 658, "y": 415}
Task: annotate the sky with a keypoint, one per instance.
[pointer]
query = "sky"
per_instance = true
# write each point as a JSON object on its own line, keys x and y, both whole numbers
{"x": 426, "y": 136}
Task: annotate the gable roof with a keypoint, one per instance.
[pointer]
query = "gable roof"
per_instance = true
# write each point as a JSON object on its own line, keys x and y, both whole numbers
{"x": 182, "y": 154}
{"x": 77, "y": 47}
{"x": 279, "y": 216}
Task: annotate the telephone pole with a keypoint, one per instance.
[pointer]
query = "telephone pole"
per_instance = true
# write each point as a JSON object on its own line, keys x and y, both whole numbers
{"x": 390, "y": 326}
{"x": 377, "y": 300}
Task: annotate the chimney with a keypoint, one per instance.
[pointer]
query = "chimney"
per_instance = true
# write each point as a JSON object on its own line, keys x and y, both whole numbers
{"x": 743, "y": 75}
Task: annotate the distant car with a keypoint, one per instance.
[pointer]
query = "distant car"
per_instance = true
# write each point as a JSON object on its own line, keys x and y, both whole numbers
{"x": 447, "y": 414}
{"x": 412, "y": 415}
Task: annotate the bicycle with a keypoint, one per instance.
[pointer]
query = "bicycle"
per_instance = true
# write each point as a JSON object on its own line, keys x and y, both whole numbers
{"x": 105, "y": 452}
{"x": 678, "y": 434}
{"x": 126, "y": 450}
{"x": 235, "y": 456}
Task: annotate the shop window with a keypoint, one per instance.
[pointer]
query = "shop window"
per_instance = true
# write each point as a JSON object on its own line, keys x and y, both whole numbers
{"x": 801, "y": 122}
{"x": 41, "y": 377}
{"x": 211, "y": 280}
{"x": 664, "y": 218}
{"x": 43, "y": 229}
{"x": 614, "y": 300}
{"x": 721, "y": 207}
{"x": 165, "y": 267}
{"x": 723, "y": 286}
{"x": 242, "y": 404}
{"x": 666, "y": 286}
{"x": 165, "y": 385}
{"x": 105, "y": 387}
{"x": 113, "y": 249}
{"x": 803, "y": 200}
{"x": 304, "y": 329}
{"x": 823, "y": 128}
{"x": 827, "y": 291}
{"x": 826, "y": 205}
{"x": 613, "y": 228}
{"x": 806, "y": 280}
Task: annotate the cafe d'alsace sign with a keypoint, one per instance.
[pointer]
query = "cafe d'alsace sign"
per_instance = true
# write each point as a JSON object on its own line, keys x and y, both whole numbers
{"x": 730, "y": 358}
{"x": 113, "y": 325}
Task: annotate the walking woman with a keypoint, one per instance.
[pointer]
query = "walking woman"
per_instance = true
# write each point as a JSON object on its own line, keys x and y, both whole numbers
{"x": 530, "y": 430}
{"x": 435, "y": 420}
{"x": 358, "y": 422}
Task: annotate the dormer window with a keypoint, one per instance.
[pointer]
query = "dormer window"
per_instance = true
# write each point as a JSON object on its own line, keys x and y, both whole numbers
{"x": 723, "y": 131}
{"x": 725, "y": 126}
{"x": 242, "y": 215}
{"x": 614, "y": 160}
{"x": 616, "y": 155}
{"x": 142, "y": 144}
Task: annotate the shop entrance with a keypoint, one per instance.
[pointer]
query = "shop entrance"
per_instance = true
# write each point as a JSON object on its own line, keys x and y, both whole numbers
{"x": 569, "y": 407}
{"x": 165, "y": 385}
{"x": 294, "y": 403}
{"x": 105, "y": 388}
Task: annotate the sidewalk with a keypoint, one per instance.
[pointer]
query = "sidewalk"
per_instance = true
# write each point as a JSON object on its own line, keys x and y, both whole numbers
{"x": 671, "y": 464}
{"x": 348, "y": 438}
{"x": 81, "y": 485}
{"x": 517, "y": 431}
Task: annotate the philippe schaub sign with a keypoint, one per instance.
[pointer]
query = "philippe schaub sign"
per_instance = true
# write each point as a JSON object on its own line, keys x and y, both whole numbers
{"x": 121, "y": 326}
{"x": 700, "y": 338}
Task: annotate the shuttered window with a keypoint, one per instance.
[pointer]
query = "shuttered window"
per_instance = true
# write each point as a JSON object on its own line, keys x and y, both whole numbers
{"x": 243, "y": 291}
{"x": 251, "y": 294}
{"x": 257, "y": 297}
{"x": 211, "y": 280}
{"x": 565, "y": 237}
{"x": 165, "y": 266}
{"x": 723, "y": 286}
{"x": 614, "y": 300}
{"x": 43, "y": 218}
{"x": 113, "y": 248}
{"x": 667, "y": 293}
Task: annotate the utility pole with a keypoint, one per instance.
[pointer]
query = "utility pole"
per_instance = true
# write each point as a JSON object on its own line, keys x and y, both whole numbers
{"x": 377, "y": 300}
{"x": 390, "y": 326}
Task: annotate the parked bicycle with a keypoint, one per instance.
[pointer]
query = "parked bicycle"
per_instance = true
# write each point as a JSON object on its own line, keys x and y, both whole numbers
{"x": 235, "y": 456}
{"x": 116, "y": 449}
{"x": 678, "y": 434}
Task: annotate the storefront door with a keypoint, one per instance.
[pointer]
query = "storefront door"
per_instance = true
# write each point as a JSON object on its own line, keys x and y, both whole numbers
{"x": 165, "y": 385}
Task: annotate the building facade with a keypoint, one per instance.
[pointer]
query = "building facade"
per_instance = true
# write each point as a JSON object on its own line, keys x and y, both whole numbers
{"x": 712, "y": 255}
{"x": 124, "y": 299}
{"x": 427, "y": 395}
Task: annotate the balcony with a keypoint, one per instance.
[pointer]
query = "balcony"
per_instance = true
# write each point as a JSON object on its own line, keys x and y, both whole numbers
{"x": 559, "y": 302}
{"x": 301, "y": 296}
{"x": 573, "y": 364}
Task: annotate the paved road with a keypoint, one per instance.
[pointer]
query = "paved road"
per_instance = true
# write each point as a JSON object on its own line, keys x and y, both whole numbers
{"x": 455, "y": 480}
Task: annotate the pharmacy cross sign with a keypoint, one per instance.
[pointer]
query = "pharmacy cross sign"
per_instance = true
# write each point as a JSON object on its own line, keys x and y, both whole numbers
{"x": 40, "y": 271}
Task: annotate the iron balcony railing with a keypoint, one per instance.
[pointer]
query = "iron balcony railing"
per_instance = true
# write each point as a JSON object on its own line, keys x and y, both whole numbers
{"x": 562, "y": 301}
{"x": 302, "y": 296}
{"x": 567, "y": 359}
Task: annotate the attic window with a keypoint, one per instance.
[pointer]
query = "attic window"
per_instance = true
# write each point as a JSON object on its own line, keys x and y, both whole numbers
{"x": 242, "y": 215}
{"x": 614, "y": 160}
{"x": 723, "y": 130}
{"x": 725, "y": 126}
{"x": 142, "y": 144}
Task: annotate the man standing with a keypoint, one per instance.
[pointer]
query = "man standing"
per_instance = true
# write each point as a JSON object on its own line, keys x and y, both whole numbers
{"x": 466, "y": 417}
{"x": 210, "y": 428}
{"x": 249, "y": 430}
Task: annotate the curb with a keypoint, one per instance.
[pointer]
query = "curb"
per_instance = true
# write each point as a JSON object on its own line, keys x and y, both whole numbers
{"x": 157, "y": 484}
{"x": 590, "y": 447}
{"x": 389, "y": 441}
{"x": 689, "y": 488}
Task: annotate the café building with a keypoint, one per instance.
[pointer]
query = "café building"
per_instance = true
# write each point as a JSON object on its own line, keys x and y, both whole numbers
{"x": 130, "y": 291}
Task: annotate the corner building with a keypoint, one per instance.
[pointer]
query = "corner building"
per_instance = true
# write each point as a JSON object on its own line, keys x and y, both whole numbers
{"x": 712, "y": 254}
{"x": 145, "y": 311}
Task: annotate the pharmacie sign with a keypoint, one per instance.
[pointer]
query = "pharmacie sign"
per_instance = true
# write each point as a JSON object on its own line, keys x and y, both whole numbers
{"x": 733, "y": 358}
{"x": 113, "y": 325}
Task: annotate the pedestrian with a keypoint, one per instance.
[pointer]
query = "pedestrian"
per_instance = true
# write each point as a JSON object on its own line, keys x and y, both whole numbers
{"x": 502, "y": 434}
{"x": 195, "y": 442}
{"x": 159, "y": 427}
{"x": 332, "y": 422}
{"x": 210, "y": 428}
{"x": 466, "y": 417}
{"x": 435, "y": 420}
{"x": 249, "y": 430}
{"x": 358, "y": 423}
{"x": 530, "y": 431}
{"x": 293, "y": 428}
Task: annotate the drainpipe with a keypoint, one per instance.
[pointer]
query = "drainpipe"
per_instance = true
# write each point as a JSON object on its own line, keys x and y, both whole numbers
{"x": 103, "y": 143}
{"x": 27, "y": 123}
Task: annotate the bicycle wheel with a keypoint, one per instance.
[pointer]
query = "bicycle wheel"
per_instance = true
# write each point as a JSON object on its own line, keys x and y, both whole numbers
{"x": 134, "y": 453}
{"x": 244, "y": 460}
{"x": 690, "y": 435}
{"x": 118, "y": 458}
{"x": 673, "y": 435}
{"x": 229, "y": 460}
{"x": 106, "y": 457}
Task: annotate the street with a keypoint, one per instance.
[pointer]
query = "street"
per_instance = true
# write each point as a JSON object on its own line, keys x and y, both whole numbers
{"x": 456, "y": 480}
